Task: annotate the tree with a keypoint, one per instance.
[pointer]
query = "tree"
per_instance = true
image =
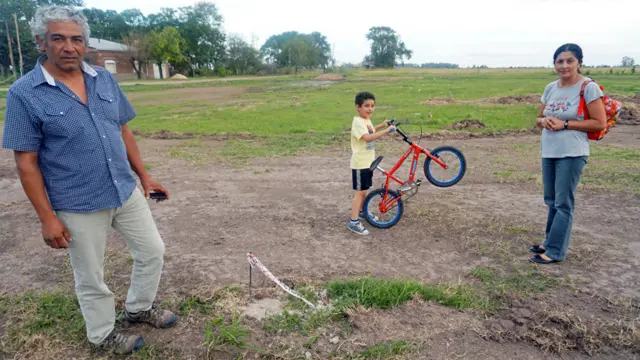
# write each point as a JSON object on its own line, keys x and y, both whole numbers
{"x": 106, "y": 24}
{"x": 628, "y": 62}
{"x": 242, "y": 58}
{"x": 386, "y": 47}
{"x": 166, "y": 45}
{"x": 139, "y": 50}
{"x": 311, "y": 50}
{"x": 200, "y": 25}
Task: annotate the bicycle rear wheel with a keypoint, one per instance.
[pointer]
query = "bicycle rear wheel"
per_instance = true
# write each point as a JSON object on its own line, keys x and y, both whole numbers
{"x": 375, "y": 216}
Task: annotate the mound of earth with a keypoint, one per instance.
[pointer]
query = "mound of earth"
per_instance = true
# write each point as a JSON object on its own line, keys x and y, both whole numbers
{"x": 467, "y": 124}
{"x": 332, "y": 77}
{"x": 519, "y": 99}
{"x": 438, "y": 101}
{"x": 178, "y": 77}
{"x": 630, "y": 113}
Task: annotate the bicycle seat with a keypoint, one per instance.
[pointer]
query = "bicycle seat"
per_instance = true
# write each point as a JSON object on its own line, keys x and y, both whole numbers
{"x": 375, "y": 163}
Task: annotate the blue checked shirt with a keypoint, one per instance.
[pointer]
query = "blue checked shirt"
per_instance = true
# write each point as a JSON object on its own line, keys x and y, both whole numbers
{"x": 81, "y": 153}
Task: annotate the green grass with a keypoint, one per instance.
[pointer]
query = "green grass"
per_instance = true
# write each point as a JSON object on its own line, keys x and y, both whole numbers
{"x": 53, "y": 315}
{"x": 386, "y": 294}
{"x": 385, "y": 350}
{"x": 614, "y": 169}
{"x": 221, "y": 332}
{"x": 522, "y": 283}
{"x": 280, "y": 108}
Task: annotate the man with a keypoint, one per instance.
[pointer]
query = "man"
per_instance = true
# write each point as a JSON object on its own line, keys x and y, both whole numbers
{"x": 66, "y": 122}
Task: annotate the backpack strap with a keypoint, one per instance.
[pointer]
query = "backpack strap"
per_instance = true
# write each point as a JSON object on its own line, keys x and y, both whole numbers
{"x": 582, "y": 108}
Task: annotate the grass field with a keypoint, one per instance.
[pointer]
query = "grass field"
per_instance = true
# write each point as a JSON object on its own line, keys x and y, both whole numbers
{"x": 261, "y": 165}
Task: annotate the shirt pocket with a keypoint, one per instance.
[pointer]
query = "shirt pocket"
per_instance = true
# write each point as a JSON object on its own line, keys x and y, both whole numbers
{"x": 109, "y": 104}
{"x": 66, "y": 129}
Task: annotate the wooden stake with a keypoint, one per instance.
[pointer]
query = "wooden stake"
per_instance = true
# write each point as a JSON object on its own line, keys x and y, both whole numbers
{"x": 15, "y": 19}
{"x": 13, "y": 65}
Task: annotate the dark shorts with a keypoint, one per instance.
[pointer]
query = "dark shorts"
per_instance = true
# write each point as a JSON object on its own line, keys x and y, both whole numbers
{"x": 362, "y": 179}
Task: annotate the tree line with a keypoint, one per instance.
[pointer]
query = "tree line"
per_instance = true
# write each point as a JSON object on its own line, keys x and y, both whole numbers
{"x": 192, "y": 41}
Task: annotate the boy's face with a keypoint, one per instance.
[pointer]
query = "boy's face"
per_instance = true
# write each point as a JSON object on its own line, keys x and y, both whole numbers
{"x": 366, "y": 109}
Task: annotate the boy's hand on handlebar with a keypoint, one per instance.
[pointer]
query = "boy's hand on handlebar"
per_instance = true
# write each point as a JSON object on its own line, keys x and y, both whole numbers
{"x": 391, "y": 128}
{"x": 387, "y": 122}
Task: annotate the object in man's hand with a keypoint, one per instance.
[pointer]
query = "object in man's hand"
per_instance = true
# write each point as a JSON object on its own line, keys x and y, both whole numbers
{"x": 158, "y": 196}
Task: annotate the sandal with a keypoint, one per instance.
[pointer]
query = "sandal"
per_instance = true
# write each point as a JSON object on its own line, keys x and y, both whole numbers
{"x": 538, "y": 259}
{"x": 537, "y": 249}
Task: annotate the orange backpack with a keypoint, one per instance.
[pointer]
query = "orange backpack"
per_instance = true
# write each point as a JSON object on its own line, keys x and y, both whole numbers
{"x": 612, "y": 109}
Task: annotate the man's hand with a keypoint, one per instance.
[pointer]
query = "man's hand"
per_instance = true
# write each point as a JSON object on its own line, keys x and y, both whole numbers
{"x": 151, "y": 185}
{"x": 55, "y": 234}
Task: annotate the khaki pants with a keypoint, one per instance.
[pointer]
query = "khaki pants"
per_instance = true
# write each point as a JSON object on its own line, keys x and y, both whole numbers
{"x": 89, "y": 233}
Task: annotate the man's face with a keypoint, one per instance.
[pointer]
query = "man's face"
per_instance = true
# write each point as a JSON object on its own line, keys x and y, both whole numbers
{"x": 65, "y": 45}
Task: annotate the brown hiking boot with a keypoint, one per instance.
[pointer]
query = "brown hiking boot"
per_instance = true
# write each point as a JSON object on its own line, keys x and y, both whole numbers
{"x": 120, "y": 343}
{"x": 155, "y": 316}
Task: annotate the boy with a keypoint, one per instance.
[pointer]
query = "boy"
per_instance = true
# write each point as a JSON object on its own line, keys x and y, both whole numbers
{"x": 363, "y": 135}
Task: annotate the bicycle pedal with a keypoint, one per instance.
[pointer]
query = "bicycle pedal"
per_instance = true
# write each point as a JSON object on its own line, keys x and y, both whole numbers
{"x": 418, "y": 182}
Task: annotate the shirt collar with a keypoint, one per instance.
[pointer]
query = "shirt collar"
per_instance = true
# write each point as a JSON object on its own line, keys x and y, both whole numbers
{"x": 42, "y": 75}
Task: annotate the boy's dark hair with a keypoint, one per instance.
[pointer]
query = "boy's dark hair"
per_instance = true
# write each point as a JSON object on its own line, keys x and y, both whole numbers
{"x": 364, "y": 96}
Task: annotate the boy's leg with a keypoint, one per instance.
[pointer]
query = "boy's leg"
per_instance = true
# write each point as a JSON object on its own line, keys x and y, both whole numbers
{"x": 361, "y": 183}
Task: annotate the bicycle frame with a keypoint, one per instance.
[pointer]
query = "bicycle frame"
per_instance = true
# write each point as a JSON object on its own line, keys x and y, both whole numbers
{"x": 417, "y": 150}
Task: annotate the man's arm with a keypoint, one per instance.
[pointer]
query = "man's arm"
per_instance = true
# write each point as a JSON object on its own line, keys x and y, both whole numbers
{"x": 133, "y": 153}
{"x": 53, "y": 231}
{"x": 135, "y": 160}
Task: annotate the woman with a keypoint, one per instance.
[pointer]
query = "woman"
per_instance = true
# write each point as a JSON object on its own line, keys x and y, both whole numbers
{"x": 564, "y": 147}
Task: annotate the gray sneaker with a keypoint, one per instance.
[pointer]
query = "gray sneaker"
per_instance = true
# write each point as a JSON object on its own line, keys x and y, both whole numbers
{"x": 362, "y": 217}
{"x": 358, "y": 228}
{"x": 155, "y": 316}
{"x": 120, "y": 343}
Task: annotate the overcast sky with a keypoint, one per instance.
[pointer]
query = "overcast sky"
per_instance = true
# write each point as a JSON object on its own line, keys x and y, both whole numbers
{"x": 465, "y": 32}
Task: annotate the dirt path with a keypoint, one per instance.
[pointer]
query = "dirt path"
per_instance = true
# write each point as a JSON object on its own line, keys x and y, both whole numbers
{"x": 291, "y": 213}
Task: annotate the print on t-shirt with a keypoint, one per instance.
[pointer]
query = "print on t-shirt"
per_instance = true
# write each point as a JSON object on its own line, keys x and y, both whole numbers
{"x": 370, "y": 145}
{"x": 559, "y": 105}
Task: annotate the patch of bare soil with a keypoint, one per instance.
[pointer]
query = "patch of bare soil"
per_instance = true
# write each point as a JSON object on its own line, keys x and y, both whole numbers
{"x": 570, "y": 321}
{"x": 219, "y": 95}
{"x": 630, "y": 113}
{"x": 532, "y": 99}
{"x": 438, "y": 101}
{"x": 330, "y": 77}
{"x": 298, "y": 230}
{"x": 166, "y": 135}
{"x": 468, "y": 124}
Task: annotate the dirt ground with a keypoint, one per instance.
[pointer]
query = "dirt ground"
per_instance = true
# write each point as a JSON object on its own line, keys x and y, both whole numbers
{"x": 291, "y": 213}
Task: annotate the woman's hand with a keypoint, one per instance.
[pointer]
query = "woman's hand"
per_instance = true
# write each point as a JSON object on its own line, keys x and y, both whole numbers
{"x": 552, "y": 123}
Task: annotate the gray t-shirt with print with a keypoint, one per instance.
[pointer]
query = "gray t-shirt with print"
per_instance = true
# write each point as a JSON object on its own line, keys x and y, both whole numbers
{"x": 563, "y": 103}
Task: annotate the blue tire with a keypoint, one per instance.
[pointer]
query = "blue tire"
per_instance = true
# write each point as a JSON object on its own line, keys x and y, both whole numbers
{"x": 379, "y": 193}
{"x": 438, "y": 152}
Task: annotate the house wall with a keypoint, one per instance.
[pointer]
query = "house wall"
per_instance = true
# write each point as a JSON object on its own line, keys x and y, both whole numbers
{"x": 124, "y": 69}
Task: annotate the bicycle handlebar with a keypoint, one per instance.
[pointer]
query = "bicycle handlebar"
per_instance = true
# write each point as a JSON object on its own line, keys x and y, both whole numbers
{"x": 404, "y": 136}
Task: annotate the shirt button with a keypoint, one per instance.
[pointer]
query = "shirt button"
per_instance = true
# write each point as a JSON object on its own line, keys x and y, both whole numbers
{"x": 115, "y": 181}
{"x": 92, "y": 114}
{"x": 109, "y": 159}
{"x": 61, "y": 112}
{"x": 104, "y": 136}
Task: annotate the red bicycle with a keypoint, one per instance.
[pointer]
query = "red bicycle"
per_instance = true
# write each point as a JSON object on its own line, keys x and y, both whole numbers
{"x": 386, "y": 200}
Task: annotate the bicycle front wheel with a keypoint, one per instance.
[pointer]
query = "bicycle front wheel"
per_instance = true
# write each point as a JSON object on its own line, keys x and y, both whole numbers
{"x": 445, "y": 177}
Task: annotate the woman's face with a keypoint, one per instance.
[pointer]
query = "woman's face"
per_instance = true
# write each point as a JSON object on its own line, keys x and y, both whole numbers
{"x": 567, "y": 65}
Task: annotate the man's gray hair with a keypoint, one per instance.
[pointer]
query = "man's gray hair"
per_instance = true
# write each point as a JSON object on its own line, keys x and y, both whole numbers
{"x": 55, "y": 13}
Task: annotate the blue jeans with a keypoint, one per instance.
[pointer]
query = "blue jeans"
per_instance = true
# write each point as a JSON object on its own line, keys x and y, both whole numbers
{"x": 560, "y": 178}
